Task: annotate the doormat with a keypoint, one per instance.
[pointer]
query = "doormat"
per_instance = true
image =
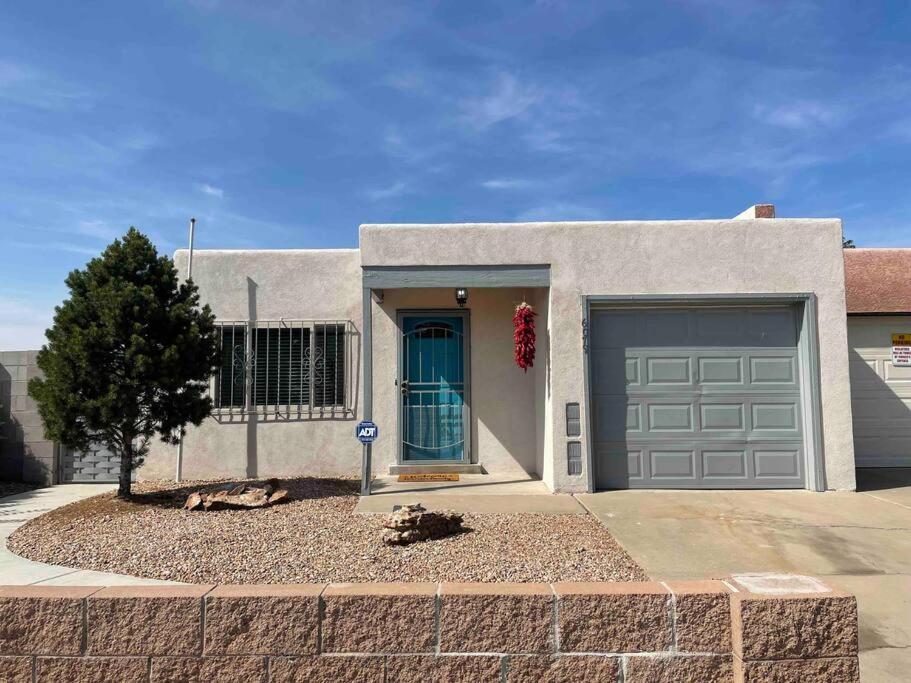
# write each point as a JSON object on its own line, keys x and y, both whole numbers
{"x": 430, "y": 476}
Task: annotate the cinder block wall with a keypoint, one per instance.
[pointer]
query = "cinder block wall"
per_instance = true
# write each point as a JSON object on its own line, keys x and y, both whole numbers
{"x": 25, "y": 454}
{"x": 680, "y": 631}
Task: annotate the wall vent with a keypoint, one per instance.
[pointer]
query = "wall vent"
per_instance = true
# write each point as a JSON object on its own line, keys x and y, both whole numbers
{"x": 574, "y": 458}
{"x": 573, "y": 420}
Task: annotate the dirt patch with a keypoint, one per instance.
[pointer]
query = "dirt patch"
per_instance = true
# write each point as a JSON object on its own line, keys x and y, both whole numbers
{"x": 316, "y": 537}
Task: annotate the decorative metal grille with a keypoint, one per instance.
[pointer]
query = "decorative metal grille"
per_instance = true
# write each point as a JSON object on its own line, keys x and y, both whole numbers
{"x": 290, "y": 368}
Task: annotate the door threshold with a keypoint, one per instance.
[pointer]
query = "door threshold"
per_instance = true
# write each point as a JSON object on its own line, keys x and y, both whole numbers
{"x": 454, "y": 468}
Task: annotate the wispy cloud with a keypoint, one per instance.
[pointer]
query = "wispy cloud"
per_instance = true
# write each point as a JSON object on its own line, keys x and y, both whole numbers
{"x": 505, "y": 99}
{"x": 395, "y": 190}
{"x": 70, "y": 247}
{"x": 211, "y": 190}
{"x": 24, "y": 324}
{"x": 24, "y": 85}
{"x": 560, "y": 211}
{"x": 507, "y": 184}
{"x": 801, "y": 115}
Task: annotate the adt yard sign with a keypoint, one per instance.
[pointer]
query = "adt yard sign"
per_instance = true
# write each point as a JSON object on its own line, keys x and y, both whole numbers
{"x": 366, "y": 432}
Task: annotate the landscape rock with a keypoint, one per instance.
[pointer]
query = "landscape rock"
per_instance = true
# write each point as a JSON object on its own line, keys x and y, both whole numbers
{"x": 413, "y": 523}
{"x": 236, "y": 496}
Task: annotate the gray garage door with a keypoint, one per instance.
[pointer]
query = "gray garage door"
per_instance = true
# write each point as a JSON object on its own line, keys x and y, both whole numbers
{"x": 96, "y": 465}
{"x": 696, "y": 398}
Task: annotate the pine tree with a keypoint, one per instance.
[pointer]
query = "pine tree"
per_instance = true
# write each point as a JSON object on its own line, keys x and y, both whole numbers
{"x": 129, "y": 356}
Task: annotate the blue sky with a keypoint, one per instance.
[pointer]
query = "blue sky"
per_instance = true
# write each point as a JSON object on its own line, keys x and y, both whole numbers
{"x": 286, "y": 124}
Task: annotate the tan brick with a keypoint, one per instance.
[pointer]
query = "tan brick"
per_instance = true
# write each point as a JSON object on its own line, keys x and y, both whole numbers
{"x": 92, "y": 669}
{"x": 146, "y": 620}
{"x": 206, "y": 669}
{"x": 702, "y": 616}
{"x": 829, "y": 670}
{"x": 326, "y": 669}
{"x": 39, "y": 620}
{"x": 274, "y": 619}
{"x": 561, "y": 668}
{"x": 379, "y": 617}
{"x": 16, "y": 669}
{"x": 613, "y": 617}
{"x": 670, "y": 669}
{"x": 801, "y": 626}
{"x": 427, "y": 668}
{"x": 490, "y": 617}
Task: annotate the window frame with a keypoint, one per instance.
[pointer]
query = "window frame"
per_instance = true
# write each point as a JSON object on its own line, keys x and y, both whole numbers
{"x": 319, "y": 333}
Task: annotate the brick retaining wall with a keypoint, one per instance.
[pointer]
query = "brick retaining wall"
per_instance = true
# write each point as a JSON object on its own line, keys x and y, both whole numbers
{"x": 677, "y": 631}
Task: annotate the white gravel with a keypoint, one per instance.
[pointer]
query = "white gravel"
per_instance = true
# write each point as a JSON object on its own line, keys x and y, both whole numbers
{"x": 315, "y": 538}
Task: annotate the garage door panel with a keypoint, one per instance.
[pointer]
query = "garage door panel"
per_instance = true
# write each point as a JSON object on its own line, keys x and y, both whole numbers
{"x": 713, "y": 370}
{"x": 679, "y": 414}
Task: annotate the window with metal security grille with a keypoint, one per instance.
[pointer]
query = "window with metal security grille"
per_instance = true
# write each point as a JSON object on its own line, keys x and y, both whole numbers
{"x": 293, "y": 368}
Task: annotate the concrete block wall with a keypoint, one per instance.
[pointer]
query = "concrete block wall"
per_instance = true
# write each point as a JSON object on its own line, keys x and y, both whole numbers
{"x": 707, "y": 631}
{"x": 25, "y": 454}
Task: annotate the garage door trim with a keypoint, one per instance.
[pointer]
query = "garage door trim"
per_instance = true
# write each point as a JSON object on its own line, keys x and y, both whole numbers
{"x": 807, "y": 358}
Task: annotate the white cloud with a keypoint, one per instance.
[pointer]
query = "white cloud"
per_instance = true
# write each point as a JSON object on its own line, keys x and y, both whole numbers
{"x": 395, "y": 190}
{"x": 23, "y": 85}
{"x": 24, "y": 324}
{"x": 560, "y": 211}
{"x": 506, "y": 184}
{"x": 212, "y": 191}
{"x": 60, "y": 246}
{"x": 99, "y": 230}
{"x": 507, "y": 99}
{"x": 801, "y": 115}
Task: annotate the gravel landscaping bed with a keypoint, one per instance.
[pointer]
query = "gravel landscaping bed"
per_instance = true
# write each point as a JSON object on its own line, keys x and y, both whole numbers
{"x": 315, "y": 537}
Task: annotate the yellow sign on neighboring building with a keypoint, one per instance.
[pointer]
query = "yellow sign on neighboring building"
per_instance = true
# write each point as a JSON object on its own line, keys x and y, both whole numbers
{"x": 901, "y": 348}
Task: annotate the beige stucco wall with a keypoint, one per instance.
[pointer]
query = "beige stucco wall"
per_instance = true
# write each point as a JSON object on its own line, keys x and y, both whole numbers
{"x": 649, "y": 258}
{"x": 503, "y": 401}
{"x": 320, "y": 284}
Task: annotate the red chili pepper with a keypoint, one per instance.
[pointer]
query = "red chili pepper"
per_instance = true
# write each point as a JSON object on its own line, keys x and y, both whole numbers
{"x": 524, "y": 323}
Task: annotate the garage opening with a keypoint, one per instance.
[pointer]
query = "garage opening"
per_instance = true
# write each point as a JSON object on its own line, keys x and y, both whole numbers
{"x": 701, "y": 397}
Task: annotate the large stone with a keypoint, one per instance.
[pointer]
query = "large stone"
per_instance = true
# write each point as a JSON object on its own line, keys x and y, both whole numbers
{"x": 424, "y": 668}
{"x": 42, "y": 620}
{"x": 228, "y": 496}
{"x": 72, "y": 669}
{"x": 326, "y": 669}
{"x": 561, "y": 668}
{"x": 146, "y": 620}
{"x": 829, "y": 670}
{"x": 668, "y": 669}
{"x": 379, "y": 617}
{"x": 702, "y": 616}
{"x": 613, "y": 617}
{"x": 490, "y": 617}
{"x": 803, "y": 626}
{"x": 16, "y": 669}
{"x": 412, "y": 523}
{"x": 206, "y": 669}
{"x": 276, "y": 619}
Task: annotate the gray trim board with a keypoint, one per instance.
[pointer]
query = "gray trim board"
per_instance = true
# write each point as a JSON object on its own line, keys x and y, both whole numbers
{"x": 808, "y": 362}
{"x": 393, "y": 277}
{"x": 366, "y": 464}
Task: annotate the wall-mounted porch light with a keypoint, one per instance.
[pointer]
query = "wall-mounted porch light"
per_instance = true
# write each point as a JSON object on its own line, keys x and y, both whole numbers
{"x": 461, "y": 295}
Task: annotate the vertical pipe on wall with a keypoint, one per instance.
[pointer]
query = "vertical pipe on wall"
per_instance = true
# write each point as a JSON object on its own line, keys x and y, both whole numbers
{"x": 368, "y": 387}
{"x": 179, "y": 465}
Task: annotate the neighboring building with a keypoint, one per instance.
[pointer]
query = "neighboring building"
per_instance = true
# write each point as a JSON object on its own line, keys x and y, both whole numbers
{"x": 670, "y": 354}
{"x": 879, "y": 307}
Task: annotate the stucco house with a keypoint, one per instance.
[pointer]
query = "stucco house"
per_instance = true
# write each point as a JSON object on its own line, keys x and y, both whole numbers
{"x": 670, "y": 354}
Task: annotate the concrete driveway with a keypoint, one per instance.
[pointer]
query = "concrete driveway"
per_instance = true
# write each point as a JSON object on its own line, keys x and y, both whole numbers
{"x": 860, "y": 542}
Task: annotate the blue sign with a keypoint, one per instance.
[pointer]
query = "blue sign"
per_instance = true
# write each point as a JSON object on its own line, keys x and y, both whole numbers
{"x": 366, "y": 432}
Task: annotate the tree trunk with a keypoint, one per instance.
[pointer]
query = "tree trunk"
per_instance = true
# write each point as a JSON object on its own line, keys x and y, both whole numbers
{"x": 126, "y": 462}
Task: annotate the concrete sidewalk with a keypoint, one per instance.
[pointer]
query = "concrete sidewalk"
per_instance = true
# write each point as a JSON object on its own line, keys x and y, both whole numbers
{"x": 860, "y": 542}
{"x": 17, "y": 510}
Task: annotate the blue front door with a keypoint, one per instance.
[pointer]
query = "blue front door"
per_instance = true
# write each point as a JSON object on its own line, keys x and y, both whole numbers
{"x": 433, "y": 388}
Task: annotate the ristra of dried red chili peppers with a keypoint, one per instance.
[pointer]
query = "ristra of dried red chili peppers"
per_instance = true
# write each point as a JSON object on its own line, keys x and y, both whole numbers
{"x": 524, "y": 323}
